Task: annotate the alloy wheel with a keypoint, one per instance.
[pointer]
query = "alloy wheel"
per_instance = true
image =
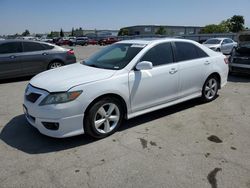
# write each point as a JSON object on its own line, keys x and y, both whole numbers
{"x": 211, "y": 88}
{"x": 106, "y": 118}
{"x": 55, "y": 65}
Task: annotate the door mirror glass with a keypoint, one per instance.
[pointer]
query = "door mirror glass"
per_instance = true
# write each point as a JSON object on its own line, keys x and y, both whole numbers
{"x": 144, "y": 65}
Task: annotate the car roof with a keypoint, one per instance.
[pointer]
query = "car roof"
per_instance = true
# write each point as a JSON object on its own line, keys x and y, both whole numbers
{"x": 147, "y": 41}
{"x": 22, "y": 40}
{"x": 219, "y": 38}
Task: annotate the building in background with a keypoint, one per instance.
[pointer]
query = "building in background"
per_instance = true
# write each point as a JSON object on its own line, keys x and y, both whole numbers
{"x": 168, "y": 30}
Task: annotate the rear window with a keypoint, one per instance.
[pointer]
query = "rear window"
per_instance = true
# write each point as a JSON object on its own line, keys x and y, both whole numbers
{"x": 10, "y": 47}
{"x": 187, "y": 51}
{"x": 32, "y": 46}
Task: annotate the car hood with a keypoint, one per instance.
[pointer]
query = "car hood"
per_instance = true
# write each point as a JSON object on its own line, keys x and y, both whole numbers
{"x": 64, "y": 78}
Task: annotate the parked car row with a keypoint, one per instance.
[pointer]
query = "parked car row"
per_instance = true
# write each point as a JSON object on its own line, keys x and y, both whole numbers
{"x": 23, "y": 57}
{"x": 84, "y": 41}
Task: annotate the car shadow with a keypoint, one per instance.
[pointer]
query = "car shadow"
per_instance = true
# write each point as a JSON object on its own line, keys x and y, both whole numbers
{"x": 239, "y": 78}
{"x": 19, "y": 134}
{"x": 11, "y": 80}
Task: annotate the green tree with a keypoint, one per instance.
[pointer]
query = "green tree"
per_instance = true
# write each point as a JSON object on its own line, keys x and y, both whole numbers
{"x": 61, "y": 33}
{"x": 123, "y": 32}
{"x": 213, "y": 28}
{"x": 26, "y": 33}
{"x": 237, "y": 23}
{"x": 161, "y": 31}
{"x": 226, "y": 25}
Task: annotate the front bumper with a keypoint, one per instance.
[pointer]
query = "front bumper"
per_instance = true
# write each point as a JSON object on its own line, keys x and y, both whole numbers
{"x": 239, "y": 68}
{"x": 69, "y": 116}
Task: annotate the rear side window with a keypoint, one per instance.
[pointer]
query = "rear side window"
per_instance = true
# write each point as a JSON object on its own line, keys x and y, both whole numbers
{"x": 47, "y": 47}
{"x": 32, "y": 47}
{"x": 10, "y": 47}
{"x": 159, "y": 55}
{"x": 187, "y": 51}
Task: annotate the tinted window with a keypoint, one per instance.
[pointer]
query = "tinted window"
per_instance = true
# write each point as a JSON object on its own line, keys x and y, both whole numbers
{"x": 228, "y": 41}
{"x": 11, "y": 47}
{"x": 212, "y": 41}
{"x": 159, "y": 55}
{"x": 187, "y": 51}
{"x": 47, "y": 47}
{"x": 32, "y": 46}
{"x": 114, "y": 57}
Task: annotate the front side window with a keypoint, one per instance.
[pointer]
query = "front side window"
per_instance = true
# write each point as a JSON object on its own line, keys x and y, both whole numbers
{"x": 114, "y": 57}
{"x": 159, "y": 55}
{"x": 32, "y": 47}
{"x": 187, "y": 51}
{"x": 213, "y": 41}
{"x": 10, "y": 47}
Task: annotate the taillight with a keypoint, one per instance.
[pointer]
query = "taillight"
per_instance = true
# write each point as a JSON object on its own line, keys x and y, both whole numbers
{"x": 226, "y": 60}
{"x": 70, "y": 52}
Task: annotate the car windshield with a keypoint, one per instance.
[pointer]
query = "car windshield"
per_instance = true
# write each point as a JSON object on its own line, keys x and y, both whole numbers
{"x": 212, "y": 41}
{"x": 244, "y": 41}
{"x": 114, "y": 57}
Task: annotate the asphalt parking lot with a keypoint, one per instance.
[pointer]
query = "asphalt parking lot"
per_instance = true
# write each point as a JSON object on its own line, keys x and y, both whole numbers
{"x": 187, "y": 145}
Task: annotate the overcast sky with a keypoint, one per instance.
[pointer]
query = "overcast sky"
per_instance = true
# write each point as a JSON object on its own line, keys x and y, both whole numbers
{"x": 40, "y": 16}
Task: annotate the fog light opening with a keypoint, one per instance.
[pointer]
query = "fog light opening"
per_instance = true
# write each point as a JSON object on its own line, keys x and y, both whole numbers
{"x": 51, "y": 125}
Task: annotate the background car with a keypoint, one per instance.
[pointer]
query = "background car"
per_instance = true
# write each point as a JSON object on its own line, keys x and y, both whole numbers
{"x": 62, "y": 41}
{"x": 92, "y": 42}
{"x": 239, "y": 61}
{"x": 124, "y": 80}
{"x": 224, "y": 45}
{"x": 83, "y": 41}
{"x": 22, "y": 57}
{"x": 106, "y": 41}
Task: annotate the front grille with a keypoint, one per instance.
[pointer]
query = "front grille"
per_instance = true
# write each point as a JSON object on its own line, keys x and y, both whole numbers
{"x": 32, "y": 97}
{"x": 242, "y": 60}
{"x": 240, "y": 70}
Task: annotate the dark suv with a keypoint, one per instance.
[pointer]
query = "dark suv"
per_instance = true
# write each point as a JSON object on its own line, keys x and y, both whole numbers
{"x": 239, "y": 61}
{"x": 22, "y": 57}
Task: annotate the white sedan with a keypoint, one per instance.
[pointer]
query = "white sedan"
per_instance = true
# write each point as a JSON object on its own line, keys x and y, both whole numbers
{"x": 124, "y": 80}
{"x": 224, "y": 45}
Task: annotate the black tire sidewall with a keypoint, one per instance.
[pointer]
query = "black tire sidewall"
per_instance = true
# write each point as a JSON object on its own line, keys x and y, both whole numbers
{"x": 89, "y": 127}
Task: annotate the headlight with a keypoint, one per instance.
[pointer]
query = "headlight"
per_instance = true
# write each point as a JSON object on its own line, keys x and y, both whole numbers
{"x": 57, "y": 98}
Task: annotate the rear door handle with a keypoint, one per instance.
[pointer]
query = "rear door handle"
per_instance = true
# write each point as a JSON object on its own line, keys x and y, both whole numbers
{"x": 207, "y": 63}
{"x": 12, "y": 57}
{"x": 173, "y": 71}
{"x": 44, "y": 54}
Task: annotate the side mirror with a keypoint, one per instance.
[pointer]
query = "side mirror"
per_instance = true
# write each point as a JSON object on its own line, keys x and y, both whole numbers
{"x": 144, "y": 65}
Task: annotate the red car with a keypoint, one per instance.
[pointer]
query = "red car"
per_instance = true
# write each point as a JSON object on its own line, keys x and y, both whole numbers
{"x": 92, "y": 42}
{"x": 61, "y": 42}
{"x": 109, "y": 40}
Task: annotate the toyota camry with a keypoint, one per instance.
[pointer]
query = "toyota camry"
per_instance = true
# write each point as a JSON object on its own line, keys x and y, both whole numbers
{"x": 122, "y": 81}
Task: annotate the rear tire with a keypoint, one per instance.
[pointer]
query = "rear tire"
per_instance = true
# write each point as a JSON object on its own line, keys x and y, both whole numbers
{"x": 103, "y": 118}
{"x": 210, "y": 89}
{"x": 55, "y": 64}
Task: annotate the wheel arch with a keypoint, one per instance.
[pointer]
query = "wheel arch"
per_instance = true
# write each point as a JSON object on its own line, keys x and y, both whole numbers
{"x": 55, "y": 60}
{"x": 111, "y": 95}
{"x": 217, "y": 75}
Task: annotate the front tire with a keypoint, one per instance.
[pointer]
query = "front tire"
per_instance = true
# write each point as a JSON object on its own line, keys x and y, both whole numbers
{"x": 104, "y": 118}
{"x": 210, "y": 89}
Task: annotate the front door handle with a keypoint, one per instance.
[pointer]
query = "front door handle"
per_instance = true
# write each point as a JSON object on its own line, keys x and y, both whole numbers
{"x": 44, "y": 54}
{"x": 12, "y": 57}
{"x": 207, "y": 63}
{"x": 173, "y": 71}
